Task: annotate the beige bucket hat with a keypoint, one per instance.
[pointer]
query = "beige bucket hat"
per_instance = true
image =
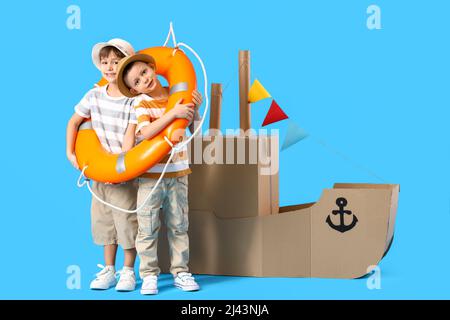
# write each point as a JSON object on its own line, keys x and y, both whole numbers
{"x": 122, "y": 45}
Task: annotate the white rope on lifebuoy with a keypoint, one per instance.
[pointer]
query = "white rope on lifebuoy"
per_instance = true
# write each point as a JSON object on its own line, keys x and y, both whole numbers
{"x": 86, "y": 182}
{"x": 171, "y": 32}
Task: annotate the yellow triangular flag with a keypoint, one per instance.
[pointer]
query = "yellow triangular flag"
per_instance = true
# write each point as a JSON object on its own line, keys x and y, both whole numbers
{"x": 257, "y": 92}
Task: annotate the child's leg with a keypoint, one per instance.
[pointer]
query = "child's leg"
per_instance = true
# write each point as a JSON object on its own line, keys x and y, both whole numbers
{"x": 149, "y": 224}
{"x": 109, "y": 252}
{"x": 103, "y": 229}
{"x": 130, "y": 257}
{"x": 125, "y": 196}
{"x": 176, "y": 209}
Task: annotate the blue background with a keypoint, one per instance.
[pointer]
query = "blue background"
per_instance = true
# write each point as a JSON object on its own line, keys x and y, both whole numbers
{"x": 375, "y": 103}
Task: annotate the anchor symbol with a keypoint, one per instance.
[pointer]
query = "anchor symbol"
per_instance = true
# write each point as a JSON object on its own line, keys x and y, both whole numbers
{"x": 341, "y": 203}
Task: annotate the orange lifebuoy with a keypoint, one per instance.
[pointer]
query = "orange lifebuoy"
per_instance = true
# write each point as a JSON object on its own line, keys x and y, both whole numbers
{"x": 103, "y": 166}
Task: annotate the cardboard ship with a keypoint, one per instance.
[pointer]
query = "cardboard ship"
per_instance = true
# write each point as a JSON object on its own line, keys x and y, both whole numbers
{"x": 236, "y": 226}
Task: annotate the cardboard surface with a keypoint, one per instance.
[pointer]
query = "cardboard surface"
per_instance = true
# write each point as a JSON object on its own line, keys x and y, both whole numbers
{"x": 286, "y": 250}
{"x": 336, "y": 254}
{"x": 394, "y": 189}
{"x": 239, "y": 186}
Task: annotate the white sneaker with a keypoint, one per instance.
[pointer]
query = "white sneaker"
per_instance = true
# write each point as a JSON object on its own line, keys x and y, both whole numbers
{"x": 127, "y": 280}
{"x": 186, "y": 282}
{"x": 105, "y": 279}
{"x": 149, "y": 285}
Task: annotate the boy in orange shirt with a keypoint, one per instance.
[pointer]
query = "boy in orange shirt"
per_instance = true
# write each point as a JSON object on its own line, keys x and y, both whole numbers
{"x": 137, "y": 78}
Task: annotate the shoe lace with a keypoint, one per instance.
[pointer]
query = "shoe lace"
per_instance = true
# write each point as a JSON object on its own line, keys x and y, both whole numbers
{"x": 103, "y": 272}
{"x": 125, "y": 275}
{"x": 186, "y": 277}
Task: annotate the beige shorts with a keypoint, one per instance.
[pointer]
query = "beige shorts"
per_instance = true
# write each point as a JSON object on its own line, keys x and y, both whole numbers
{"x": 110, "y": 226}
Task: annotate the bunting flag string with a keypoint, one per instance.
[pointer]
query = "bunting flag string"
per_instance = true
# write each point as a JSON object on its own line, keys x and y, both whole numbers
{"x": 294, "y": 133}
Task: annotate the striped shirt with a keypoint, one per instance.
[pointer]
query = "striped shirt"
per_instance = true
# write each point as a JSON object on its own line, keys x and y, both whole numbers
{"x": 147, "y": 111}
{"x": 110, "y": 116}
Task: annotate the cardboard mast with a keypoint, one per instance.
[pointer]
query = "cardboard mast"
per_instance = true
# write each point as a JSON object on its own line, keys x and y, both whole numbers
{"x": 216, "y": 106}
{"x": 244, "y": 85}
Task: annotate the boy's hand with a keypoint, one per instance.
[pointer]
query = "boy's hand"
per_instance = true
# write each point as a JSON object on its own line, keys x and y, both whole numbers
{"x": 73, "y": 160}
{"x": 183, "y": 111}
{"x": 197, "y": 99}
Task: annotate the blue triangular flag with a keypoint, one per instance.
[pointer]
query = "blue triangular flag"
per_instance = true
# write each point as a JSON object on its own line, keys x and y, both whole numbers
{"x": 294, "y": 134}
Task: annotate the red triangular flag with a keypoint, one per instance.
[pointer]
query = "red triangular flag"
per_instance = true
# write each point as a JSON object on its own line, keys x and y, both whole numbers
{"x": 275, "y": 114}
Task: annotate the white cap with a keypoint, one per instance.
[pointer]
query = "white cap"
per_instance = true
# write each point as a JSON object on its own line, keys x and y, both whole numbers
{"x": 122, "y": 45}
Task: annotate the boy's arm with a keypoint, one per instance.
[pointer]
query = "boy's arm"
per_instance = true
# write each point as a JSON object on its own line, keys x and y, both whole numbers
{"x": 71, "y": 134}
{"x": 197, "y": 118}
{"x": 154, "y": 127}
{"x": 179, "y": 111}
{"x": 128, "y": 139}
{"x": 197, "y": 99}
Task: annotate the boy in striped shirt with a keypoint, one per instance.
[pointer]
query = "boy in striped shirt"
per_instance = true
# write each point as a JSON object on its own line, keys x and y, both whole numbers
{"x": 114, "y": 121}
{"x": 137, "y": 78}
